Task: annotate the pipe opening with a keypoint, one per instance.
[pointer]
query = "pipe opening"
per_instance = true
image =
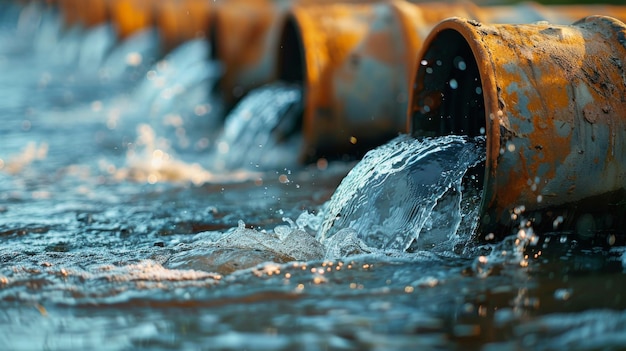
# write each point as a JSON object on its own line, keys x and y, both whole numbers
{"x": 291, "y": 53}
{"x": 448, "y": 96}
{"x": 449, "y": 99}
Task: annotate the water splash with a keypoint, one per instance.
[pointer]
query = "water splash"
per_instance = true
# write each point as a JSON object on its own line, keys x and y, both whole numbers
{"x": 176, "y": 97}
{"x": 389, "y": 197}
{"x": 257, "y": 133}
{"x": 132, "y": 57}
{"x": 150, "y": 160}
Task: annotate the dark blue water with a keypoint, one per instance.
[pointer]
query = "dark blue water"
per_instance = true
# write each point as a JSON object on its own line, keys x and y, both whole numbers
{"x": 125, "y": 225}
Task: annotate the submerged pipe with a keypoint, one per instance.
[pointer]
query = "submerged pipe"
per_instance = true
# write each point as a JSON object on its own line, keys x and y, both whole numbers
{"x": 551, "y": 101}
{"x": 355, "y": 62}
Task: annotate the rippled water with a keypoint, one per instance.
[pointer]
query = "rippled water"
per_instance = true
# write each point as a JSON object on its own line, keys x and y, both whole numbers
{"x": 119, "y": 231}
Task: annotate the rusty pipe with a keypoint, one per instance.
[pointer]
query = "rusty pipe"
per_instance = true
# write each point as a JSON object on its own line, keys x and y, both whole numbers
{"x": 244, "y": 36}
{"x": 355, "y": 62}
{"x": 182, "y": 20}
{"x": 128, "y": 16}
{"x": 131, "y": 16}
{"x": 551, "y": 101}
{"x": 176, "y": 20}
{"x": 84, "y": 13}
{"x": 246, "y": 33}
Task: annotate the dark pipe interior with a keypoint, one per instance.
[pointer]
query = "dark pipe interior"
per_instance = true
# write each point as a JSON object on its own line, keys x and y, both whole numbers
{"x": 291, "y": 53}
{"x": 214, "y": 54}
{"x": 448, "y": 98}
{"x": 448, "y": 91}
{"x": 213, "y": 35}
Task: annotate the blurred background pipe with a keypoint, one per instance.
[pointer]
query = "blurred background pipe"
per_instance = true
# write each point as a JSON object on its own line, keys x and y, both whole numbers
{"x": 355, "y": 62}
{"x": 85, "y": 13}
{"x": 176, "y": 20}
{"x": 243, "y": 36}
{"x": 132, "y": 16}
{"x": 551, "y": 101}
{"x": 182, "y": 20}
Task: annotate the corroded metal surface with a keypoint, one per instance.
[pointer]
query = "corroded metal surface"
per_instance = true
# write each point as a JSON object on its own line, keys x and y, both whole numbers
{"x": 551, "y": 100}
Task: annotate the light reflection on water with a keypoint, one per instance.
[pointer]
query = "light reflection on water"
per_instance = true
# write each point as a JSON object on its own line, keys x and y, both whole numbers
{"x": 117, "y": 233}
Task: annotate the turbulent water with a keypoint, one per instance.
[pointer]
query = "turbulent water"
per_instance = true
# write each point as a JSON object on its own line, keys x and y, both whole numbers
{"x": 259, "y": 135}
{"x": 119, "y": 230}
{"x": 392, "y": 198}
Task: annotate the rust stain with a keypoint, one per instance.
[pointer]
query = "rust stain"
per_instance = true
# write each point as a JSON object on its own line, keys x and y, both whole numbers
{"x": 93, "y": 12}
{"x": 182, "y": 20}
{"x": 131, "y": 16}
{"x": 70, "y": 11}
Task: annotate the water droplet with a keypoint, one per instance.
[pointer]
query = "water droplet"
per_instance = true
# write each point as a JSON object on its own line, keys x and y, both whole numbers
{"x": 453, "y": 84}
{"x": 134, "y": 59}
{"x": 563, "y": 294}
{"x": 459, "y": 63}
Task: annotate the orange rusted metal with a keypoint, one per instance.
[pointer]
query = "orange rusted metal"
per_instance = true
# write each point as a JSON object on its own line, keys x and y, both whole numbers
{"x": 69, "y": 11}
{"x": 244, "y": 35}
{"x": 131, "y": 16}
{"x": 355, "y": 62}
{"x": 84, "y": 13}
{"x": 182, "y": 20}
{"x": 551, "y": 101}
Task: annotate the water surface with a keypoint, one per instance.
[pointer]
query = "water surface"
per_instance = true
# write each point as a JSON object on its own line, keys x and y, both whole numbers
{"x": 119, "y": 230}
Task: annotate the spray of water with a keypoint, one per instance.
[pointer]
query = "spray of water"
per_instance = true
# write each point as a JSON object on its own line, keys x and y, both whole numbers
{"x": 151, "y": 161}
{"x": 258, "y": 132}
{"x": 395, "y": 197}
{"x": 175, "y": 97}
